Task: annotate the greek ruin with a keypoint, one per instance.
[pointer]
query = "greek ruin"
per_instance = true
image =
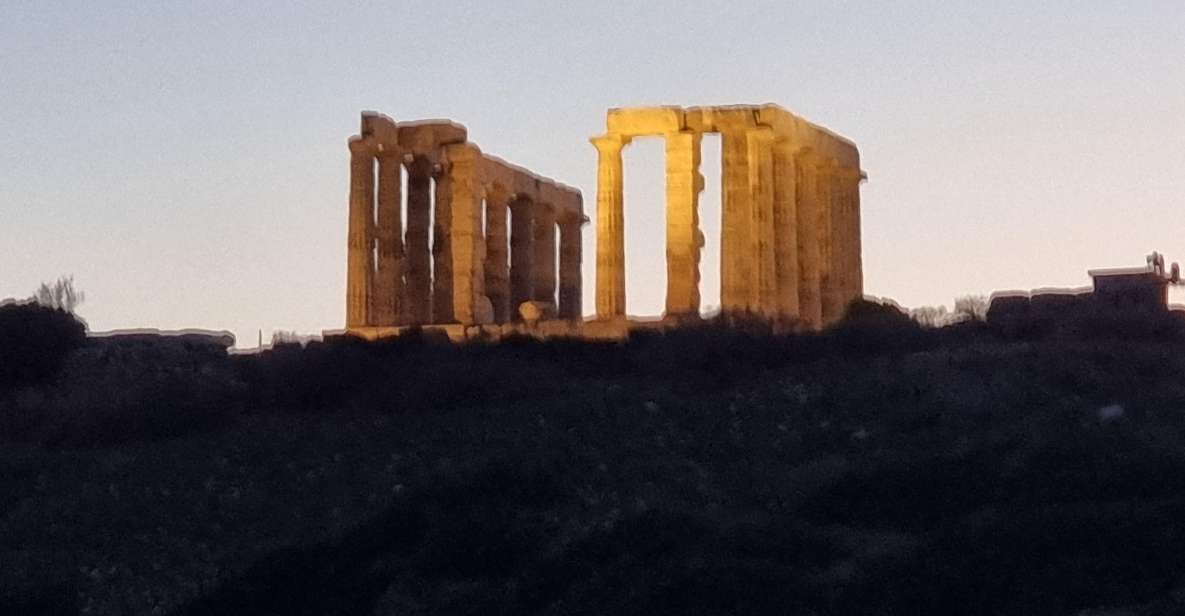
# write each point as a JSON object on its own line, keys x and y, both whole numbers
{"x": 790, "y": 229}
{"x": 472, "y": 248}
{"x": 473, "y": 241}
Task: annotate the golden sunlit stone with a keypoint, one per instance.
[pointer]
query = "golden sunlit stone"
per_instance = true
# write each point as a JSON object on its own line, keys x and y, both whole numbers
{"x": 476, "y": 204}
{"x": 790, "y": 228}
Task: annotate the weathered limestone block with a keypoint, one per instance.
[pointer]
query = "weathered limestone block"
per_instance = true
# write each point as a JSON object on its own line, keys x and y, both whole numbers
{"x": 497, "y": 266}
{"x": 571, "y": 300}
{"x": 360, "y": 261}
{"x": 543, "y": 265}
{"x": 645, "y": 121}
{"x": 418, "y": 268}
{"x": 684, "y": 238}
{"x": 610, "y": 228}
{"x": 466, "y": 246}
{"x": 810, "y": 309}
{"x": 442, "y": 240}
{"x": 785, "y": 230}
{"x": 761, "y": 195}
{"x": 522, "y": 252}
{"x": 534, "y": 311}
{"x": 737, "y": 262}
{"x": 388, "y": 285}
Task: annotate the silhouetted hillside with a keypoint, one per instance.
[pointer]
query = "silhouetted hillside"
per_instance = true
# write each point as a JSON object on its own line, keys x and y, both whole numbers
{"x": 880, "y": 468}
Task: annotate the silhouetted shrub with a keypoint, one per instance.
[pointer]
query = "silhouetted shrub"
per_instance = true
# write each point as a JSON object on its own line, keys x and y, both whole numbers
{"x": 34, "y": 342}
{"x": 873, "y": 327}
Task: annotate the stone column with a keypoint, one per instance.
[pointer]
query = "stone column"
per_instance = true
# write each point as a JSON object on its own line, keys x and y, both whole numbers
{"x": 855, "y": 235}
{"x": 841, "y": 242}
{"x": 736, "y": 230}
{"x": 360, "y": 249}
{"x": 684, "y": 238}
{"x": 497, "y": 266}
{"x": 785, "y": 230}
{"x": 763, "y": 275}
{"x": 388, "y": 286}
{"x": 571, "y": 292}
{"x": 418, "y": 272}
{"x": 846, "y": 227}
{"x": 466, "y": 246}
{"x": 543, "y": 266}
{"x": 522, "y": 229}
{"x": 807, "y": 215}
{"x": 610, "y": 227}
{"x": 829, "y": 282}
{"x": 442, "y": 259}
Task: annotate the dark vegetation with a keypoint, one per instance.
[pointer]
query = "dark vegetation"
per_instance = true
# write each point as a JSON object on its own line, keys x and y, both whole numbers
{"x": 878, "y": 468}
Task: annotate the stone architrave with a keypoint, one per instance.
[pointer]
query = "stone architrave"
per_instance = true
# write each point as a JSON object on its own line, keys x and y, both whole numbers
{"x": 360, "y": 261}
{"x": 684, "y": 238}
{"x": 610, "y": 228}
{"x": 388, "y": 286}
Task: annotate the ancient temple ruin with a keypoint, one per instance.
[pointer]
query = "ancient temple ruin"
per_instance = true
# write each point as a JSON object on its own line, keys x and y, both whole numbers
{"x": 479, "y": 239}
{"x": 473, "y": 246}
{"x": 790, "y": 245}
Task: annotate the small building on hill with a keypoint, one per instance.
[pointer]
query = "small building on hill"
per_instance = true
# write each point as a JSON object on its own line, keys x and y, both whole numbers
{"x": 1129, "y": 289}
{"x": 1142, "y": 288}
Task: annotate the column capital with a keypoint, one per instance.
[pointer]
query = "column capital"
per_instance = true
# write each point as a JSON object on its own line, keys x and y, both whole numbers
{"x": 609, "y": 143}
{"x": 388, "y": 153}
{"x": 361, "y": 146}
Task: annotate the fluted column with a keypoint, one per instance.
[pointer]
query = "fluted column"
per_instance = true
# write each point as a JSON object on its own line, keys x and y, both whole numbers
{"x": 855, "y": 235}
{"x": 736, "y": 229}
{"x": 418, "y": 272}
{"x": 610, "y": 227}
{"x": 830, "y": 281}
{"x": 763, "y": 295}
{"x": 466, "y": 246}
{"x": 388, "y": 283}
{"x": 522, "y": 241}
{"x": 497, "y": 266}
{"x": 570, "y": 277}
{"x": 360, "y": 252}
{"x": 543, "y": 266}
{"x": 785, "y": 230}
{"x": 442, "y": 260}
{"x": 809, "y": 306}
{"x": 684, "y": 238}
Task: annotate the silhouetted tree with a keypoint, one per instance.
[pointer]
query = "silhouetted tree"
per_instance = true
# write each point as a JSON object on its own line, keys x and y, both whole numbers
{"x": 61, "y": 295}
{"x": 931, "y": 316}
{"x": 34, "y": 342}
{"x": 971, "y": 308}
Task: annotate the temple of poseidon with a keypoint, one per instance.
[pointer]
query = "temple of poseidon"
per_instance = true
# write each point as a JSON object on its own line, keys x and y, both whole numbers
{"x": 789, "y": 245}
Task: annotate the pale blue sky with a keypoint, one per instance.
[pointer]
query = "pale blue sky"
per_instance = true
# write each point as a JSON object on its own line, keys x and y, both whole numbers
{"x": 188, "y": 163}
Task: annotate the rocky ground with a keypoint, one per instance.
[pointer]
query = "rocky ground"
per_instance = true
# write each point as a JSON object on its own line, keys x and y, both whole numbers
{"x": 963, "y": 474}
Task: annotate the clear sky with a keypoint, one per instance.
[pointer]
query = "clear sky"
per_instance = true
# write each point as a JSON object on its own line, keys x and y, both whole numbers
{"x": 188, "y": 163}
